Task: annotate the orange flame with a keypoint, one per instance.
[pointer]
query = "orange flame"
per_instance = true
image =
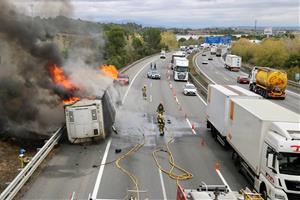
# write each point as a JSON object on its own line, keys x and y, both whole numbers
{"x": 59, "y": 78}
{"x": 110, "y": 70}
{"x": 71, "y": 100}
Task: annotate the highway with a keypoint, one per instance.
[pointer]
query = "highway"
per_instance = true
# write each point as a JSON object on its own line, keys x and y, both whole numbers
{"x": 77, "y": 169}
{"x": 216, "y": 71}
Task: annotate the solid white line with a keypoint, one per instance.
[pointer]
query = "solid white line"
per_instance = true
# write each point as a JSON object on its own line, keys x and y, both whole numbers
{"x": 223, "y": 179}
{"x": 293, "y": 93}
{"x": 189, "y": 123}
{"x": 202, "y": 71}
{"x": 150, "y": 98}
{"x": 127, "y": 91}
{"x": 201, "y": 99}
{"x": 162, "y": 184}
{"x": 101, "y": 170}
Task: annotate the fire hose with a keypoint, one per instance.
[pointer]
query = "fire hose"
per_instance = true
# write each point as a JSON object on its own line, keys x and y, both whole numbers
{"x": 185, "y": 175}
{"x": 129, "y": 174}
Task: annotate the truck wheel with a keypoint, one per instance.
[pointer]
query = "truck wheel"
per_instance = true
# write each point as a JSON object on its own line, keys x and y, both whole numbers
{"x": 251, "y": 87}
{"x": 263, "y": 191}
{"x": 208, "y": 125}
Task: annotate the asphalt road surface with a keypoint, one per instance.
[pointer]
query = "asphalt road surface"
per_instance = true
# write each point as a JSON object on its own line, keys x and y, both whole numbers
{"x": 77, "y": 169}
{"x": 216, "y": 71}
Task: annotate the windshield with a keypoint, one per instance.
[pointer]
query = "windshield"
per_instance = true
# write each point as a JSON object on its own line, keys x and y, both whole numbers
{"x": 289, "y": 163}
{"x": 181, "y": 69}
{"x": 190, "y": 87}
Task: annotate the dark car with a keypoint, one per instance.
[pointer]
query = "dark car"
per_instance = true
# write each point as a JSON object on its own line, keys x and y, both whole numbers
{"x": 210, "y": 58}
{"x": 203, "y": 54}
{"x": 243, "y": 80}
{"x": 153, "y": 74}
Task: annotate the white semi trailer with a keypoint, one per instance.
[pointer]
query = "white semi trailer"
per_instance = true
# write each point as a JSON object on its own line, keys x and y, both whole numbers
{"x": 217, "y": 109}
{"x": 89, "y": 119}
{"x": 233, "y": 62}
{"x": 265, "y": 141}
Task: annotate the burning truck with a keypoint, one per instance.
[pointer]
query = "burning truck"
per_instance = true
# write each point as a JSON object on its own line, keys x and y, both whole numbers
{"x": 87, "y": 118}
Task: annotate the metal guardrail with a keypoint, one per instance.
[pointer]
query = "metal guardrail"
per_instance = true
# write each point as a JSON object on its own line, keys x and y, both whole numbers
{"x": 136, "y": 62}
{"x": 13, "y": 188}
{"x": 294, "y": 83}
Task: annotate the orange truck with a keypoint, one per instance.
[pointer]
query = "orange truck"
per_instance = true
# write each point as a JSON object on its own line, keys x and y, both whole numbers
{"x": 268, "y": 82}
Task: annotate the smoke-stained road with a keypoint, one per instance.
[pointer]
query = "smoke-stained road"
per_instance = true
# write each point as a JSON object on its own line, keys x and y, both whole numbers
{"x": 71, "y": 169}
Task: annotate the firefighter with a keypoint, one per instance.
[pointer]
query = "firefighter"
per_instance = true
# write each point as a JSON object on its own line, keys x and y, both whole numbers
{"x": 160, "y": 109}
{"x": 161, "y": 124}
{"x": 144, "y": 90}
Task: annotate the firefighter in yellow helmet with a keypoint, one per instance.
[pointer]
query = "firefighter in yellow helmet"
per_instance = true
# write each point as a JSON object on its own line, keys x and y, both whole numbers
{"x": 160, "y": 108}
{"x": 161, "y": 124}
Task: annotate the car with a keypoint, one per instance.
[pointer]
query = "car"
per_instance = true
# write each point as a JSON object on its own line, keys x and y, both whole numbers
{"x": 154, "y": 74}
{"x": 210, "y": 58}
{"x": 203, "y": 54}
{"x": 189, "y": 89}
{"x": 243, "y": 80}
{"x": 204, "y": 62}
{"x": 122, "y": 79}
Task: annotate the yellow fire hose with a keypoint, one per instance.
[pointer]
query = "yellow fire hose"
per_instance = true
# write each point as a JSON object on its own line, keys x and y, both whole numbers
{"x": 185, "y": 175}
{"x": 129, "y": 174}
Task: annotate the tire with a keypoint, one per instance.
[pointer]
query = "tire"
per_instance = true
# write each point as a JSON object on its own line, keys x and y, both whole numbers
{"x": 251, "y": 87}
{"x": 263, "y": 191}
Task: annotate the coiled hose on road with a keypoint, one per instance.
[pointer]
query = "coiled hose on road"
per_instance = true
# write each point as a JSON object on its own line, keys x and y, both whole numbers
{"x": 185, "y": 175}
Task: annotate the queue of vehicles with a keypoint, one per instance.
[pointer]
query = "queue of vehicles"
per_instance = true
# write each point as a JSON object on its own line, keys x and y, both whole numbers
{"x": 263, "y": 136}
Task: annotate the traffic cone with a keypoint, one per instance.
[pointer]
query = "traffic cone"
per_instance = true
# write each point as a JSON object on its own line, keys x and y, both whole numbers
{"x": 202, "y": 142}
{"x": 193, "y": 126}
{"x": 217, "y": 165}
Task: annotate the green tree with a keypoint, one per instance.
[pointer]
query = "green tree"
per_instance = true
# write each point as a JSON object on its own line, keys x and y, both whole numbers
{"x": 152, "y": 37}
{"x": 271, "y": 53}
{"x": 181, "y": 40}
{"x": 115, "y": 53}
{"x": 168, "y": 38}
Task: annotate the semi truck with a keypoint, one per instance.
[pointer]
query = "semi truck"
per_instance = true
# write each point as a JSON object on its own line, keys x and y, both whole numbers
{"x": 180, "y": 69}
{"x": 219, "y": 52}
{"x": 233, "y": 62}
{"x": 89, "y": 119}
{"x": 265, "y": 142}
{"x": 218, "y": 101}
{"x": 268, "y": 82}
{"x": 213, "y": 50}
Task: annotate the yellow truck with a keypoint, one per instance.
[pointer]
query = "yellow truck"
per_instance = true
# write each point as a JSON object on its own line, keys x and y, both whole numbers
{"x": 268, "y": 82}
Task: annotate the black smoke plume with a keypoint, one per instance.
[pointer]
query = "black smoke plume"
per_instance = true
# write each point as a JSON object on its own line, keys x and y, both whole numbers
{"x": 29, "y": 101}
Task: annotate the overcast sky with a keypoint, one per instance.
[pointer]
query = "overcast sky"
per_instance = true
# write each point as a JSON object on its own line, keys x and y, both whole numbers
{"x": 186, "y": 13}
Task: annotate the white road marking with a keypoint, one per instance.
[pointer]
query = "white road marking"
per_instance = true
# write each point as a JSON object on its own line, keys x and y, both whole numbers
{"x": 293, "y": 93}
{"x": 162, "y": 185}
{"x": 201, "y": 99}
{"x": 127, "y": 91}
{"x": 150, "y": 98}
{"x": 203, "y": 72}
{"x": 189, "y": 123}
{"x": 226, "y": 78}
{"x": 223, "y": 180}
{"x": 101, "y": 170}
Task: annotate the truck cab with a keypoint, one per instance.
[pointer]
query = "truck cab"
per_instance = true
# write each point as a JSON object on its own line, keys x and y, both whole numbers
{"x": 280, "y": 166}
